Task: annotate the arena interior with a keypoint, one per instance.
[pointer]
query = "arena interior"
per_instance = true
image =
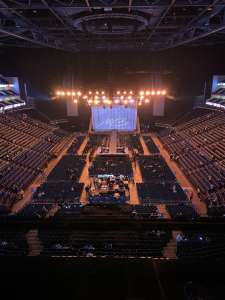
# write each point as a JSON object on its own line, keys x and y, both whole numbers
{"x": 112, "y": 149}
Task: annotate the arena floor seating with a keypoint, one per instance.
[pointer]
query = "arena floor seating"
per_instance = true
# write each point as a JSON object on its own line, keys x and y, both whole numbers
{"x": 69, "y": 168}
{"x": 154, "y": 168}
{"x": 110, "y": 164}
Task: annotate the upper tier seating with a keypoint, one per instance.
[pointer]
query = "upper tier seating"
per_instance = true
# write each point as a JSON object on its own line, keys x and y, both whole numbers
{"x": 197, "y": 145}
{"x": 27, "y": 145}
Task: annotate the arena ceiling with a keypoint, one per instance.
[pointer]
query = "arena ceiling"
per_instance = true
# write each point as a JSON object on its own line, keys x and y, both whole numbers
{"x": 111, "y": 24}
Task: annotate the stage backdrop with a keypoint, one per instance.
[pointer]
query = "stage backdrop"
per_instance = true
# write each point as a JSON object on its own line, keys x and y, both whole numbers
{"x": 117, "y": 117}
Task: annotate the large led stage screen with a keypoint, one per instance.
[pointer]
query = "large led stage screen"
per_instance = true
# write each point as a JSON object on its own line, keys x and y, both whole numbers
{"x": 117, "y": 117}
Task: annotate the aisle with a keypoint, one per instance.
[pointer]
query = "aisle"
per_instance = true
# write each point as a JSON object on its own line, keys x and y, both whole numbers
{"x": 113, "y": 143}
{"x": 145, "y": 148}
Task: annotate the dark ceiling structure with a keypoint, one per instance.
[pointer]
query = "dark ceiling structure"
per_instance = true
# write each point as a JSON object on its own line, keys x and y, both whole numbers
{"x": 77, "y": 25}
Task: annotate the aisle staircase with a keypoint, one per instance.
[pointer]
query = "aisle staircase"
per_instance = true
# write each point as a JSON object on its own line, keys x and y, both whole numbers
{"x": 34, "y": 245}
{"x": 170, "y": 249}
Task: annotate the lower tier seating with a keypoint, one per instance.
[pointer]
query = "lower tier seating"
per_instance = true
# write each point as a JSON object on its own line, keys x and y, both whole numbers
{"x": 104, "y": 243}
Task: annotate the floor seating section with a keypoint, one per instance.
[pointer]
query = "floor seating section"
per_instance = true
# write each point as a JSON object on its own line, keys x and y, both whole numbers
{"x": 62, "y": 188}
{"x": 161, "y": 187}
{"x": 154, "y": 169}
{"x": 168, "y": 193}
{"x": 142, "y": 211}
{"x": 197, "y": 144}
{"x": 132, "y": 141}
{"x": 94, "y": 141}
{"x": 59, "y": 192}
{"x": 68, "y": 168}
{"x": 109, "y": 164}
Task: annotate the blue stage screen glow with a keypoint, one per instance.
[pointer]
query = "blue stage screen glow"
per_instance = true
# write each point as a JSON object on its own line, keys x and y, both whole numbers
{"x": 117, "y": 117}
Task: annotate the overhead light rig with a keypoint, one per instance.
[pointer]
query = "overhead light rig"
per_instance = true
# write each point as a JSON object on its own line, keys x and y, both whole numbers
{"x": 120, "y": 97}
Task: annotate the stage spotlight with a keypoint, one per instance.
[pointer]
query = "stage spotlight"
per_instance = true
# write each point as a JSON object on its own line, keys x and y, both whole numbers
{"x": 125, "y": 102}
{"x": 131, "y": 100}
{"x": 122, "y": 97}
{"x": 124, "y": 92}
{"x": 73, "y": 94}
{"x": 142, "y": 93}
{"x": 117, "y": 101}
{"x": 153, "y": 92}
{"x": 103, "y": 97}
{"x": 146, "y": 100}
{"x": 90, "y": 101}
{"x": 90, "y": 92}
{"x": 118, "y": 92}
{"x": 97, "y": 92}
{"x": 96, "y": 102}
{"x": 158, "y": 92}
{"x": 139, "y": 103}
{"x": 103, "y": 92}
{"x": 62, "y": 93}
{"x": 96, "y": 97}
{"x": 131, "y": 92}
{"x": 68, "y": 93}
{"x": 163, "y": 92}
{"x": 109, "y": 102}
{"x": 75, "y": 101}
{"x": 147, "y": 93}
{"x": 105, "y": 101}
{"x": 58, "y": 93}
{"x": 79, "y": 94}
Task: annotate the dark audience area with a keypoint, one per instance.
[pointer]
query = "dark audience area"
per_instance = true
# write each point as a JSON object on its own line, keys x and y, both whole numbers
{"x": 59, "y": 192}
{"x": 69, "y": 168}
{"x": 167, "y": 193}
{"x": 110, "y": 164}
{"x": 196, "y": 144}
{"x": 104, "y": 243}
{"x": 154, "y": 168}
{"x": 27, "y": 146}
{"x": 200, "y": 245}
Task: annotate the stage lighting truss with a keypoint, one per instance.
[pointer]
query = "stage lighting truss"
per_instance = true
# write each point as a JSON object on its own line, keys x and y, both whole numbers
{"x": 119, "y": 97}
